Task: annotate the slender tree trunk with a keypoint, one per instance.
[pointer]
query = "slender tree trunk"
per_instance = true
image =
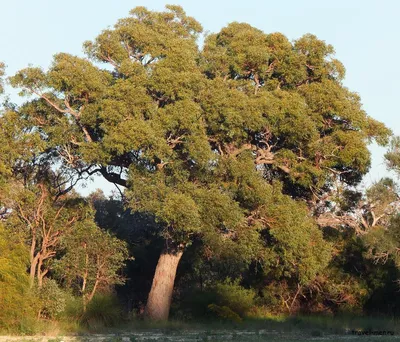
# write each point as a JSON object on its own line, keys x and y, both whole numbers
{"x": 33, "y": 259}
{"x": 32, "y": 271}
{"x": 159, "y": 300}
{"x": 39, "y": 273}
{"x": 93, "y": 292}
{"x": 85, "y": 277}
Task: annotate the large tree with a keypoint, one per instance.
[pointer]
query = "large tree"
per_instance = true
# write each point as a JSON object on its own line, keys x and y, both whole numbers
{"x": 216, "y": 144}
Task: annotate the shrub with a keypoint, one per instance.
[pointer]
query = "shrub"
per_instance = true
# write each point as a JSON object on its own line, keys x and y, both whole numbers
{"x": 51, "y": 299}
{"x": 73, "y": 311}
{"x": 222, "y": 297}
{"x": 194, "y": 305}
{"x": 234, "y": 296}
{"x": 225, "y": 313}
{"x": 102, "y": 311}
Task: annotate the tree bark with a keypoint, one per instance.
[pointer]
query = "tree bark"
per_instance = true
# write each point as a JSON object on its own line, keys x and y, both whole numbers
{"x": 39, "y": 273}
{"x": 32, "y": 272}
{"x": 160, "y": 296}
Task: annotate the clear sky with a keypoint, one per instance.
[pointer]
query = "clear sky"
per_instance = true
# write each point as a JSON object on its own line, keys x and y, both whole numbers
{"x": 365, "y": 34}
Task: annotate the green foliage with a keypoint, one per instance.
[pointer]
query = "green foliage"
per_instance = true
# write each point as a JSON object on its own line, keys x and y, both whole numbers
{"x": 174, "y": 115}
{"x": 227, "y": 299}
{"x": 42, "y": 218}
{"x": 296, "y": 241}
{"x": 210, "y": 140}
{"x": 227, "y": 148}
{"x": 73, "y": 310}
{"x": 16, "y": 312}
{"x": 392, "y": 156}
{"x": 51, "y": 300}
{"x": 16, "y": 144}
{"x": 384, "y": 242}
{"x": 224, "y": 312}
{"x": 234, "y": 296}
{"x": 102, "y": 311}
{"x": 92, "y": 260}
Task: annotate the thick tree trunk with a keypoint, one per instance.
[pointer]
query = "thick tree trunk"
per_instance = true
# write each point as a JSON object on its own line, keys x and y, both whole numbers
{"x": 160, "y": 296}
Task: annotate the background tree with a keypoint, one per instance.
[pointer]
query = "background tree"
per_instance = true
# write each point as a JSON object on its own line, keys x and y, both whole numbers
{"x": 92, "y": 261}
{"x": 362, "y": 212}
{"x": 384, "y": 241}
{"x": 392, "y": 156}
{"x": 43, "y": 221}
{"x": 363, "y": 225}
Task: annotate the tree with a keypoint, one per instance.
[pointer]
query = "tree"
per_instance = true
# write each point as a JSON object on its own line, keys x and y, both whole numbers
{"x": 362, "y": 212}
{"x": 370, "y": 249}
{"x": 373, "y": 215}
{"x": 92, "y": 260}
{"x": 384, "y": 242}
{"x": 43, "y": 221}
{"x": 392, "y": 156}
{"x": 213, "y": 143}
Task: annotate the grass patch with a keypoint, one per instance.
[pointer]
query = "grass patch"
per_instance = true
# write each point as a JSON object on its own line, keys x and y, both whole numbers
{"x": 272, "y": 328}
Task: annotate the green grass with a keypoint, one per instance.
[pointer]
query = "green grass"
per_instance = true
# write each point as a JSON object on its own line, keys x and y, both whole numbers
{"x": 274, "y": 328}
{"x": 299, "y": 328}
{"x": 216, "y": 336}
{"x": 307, "y": 324}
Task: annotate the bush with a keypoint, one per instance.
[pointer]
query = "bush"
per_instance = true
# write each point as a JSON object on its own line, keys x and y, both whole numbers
{"x": 52, "y": 300}
{"x": 194, "y": 305}
{"x": 225, "y": 313}
{"x": 102, "y": 311}
{"x": 73, "y": 311}
{"x": 235, "y": 297}
{"x": 219, "y": 299}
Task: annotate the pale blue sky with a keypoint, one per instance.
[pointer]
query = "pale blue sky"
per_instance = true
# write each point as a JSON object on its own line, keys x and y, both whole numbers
{"x": 365, "y": 35}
